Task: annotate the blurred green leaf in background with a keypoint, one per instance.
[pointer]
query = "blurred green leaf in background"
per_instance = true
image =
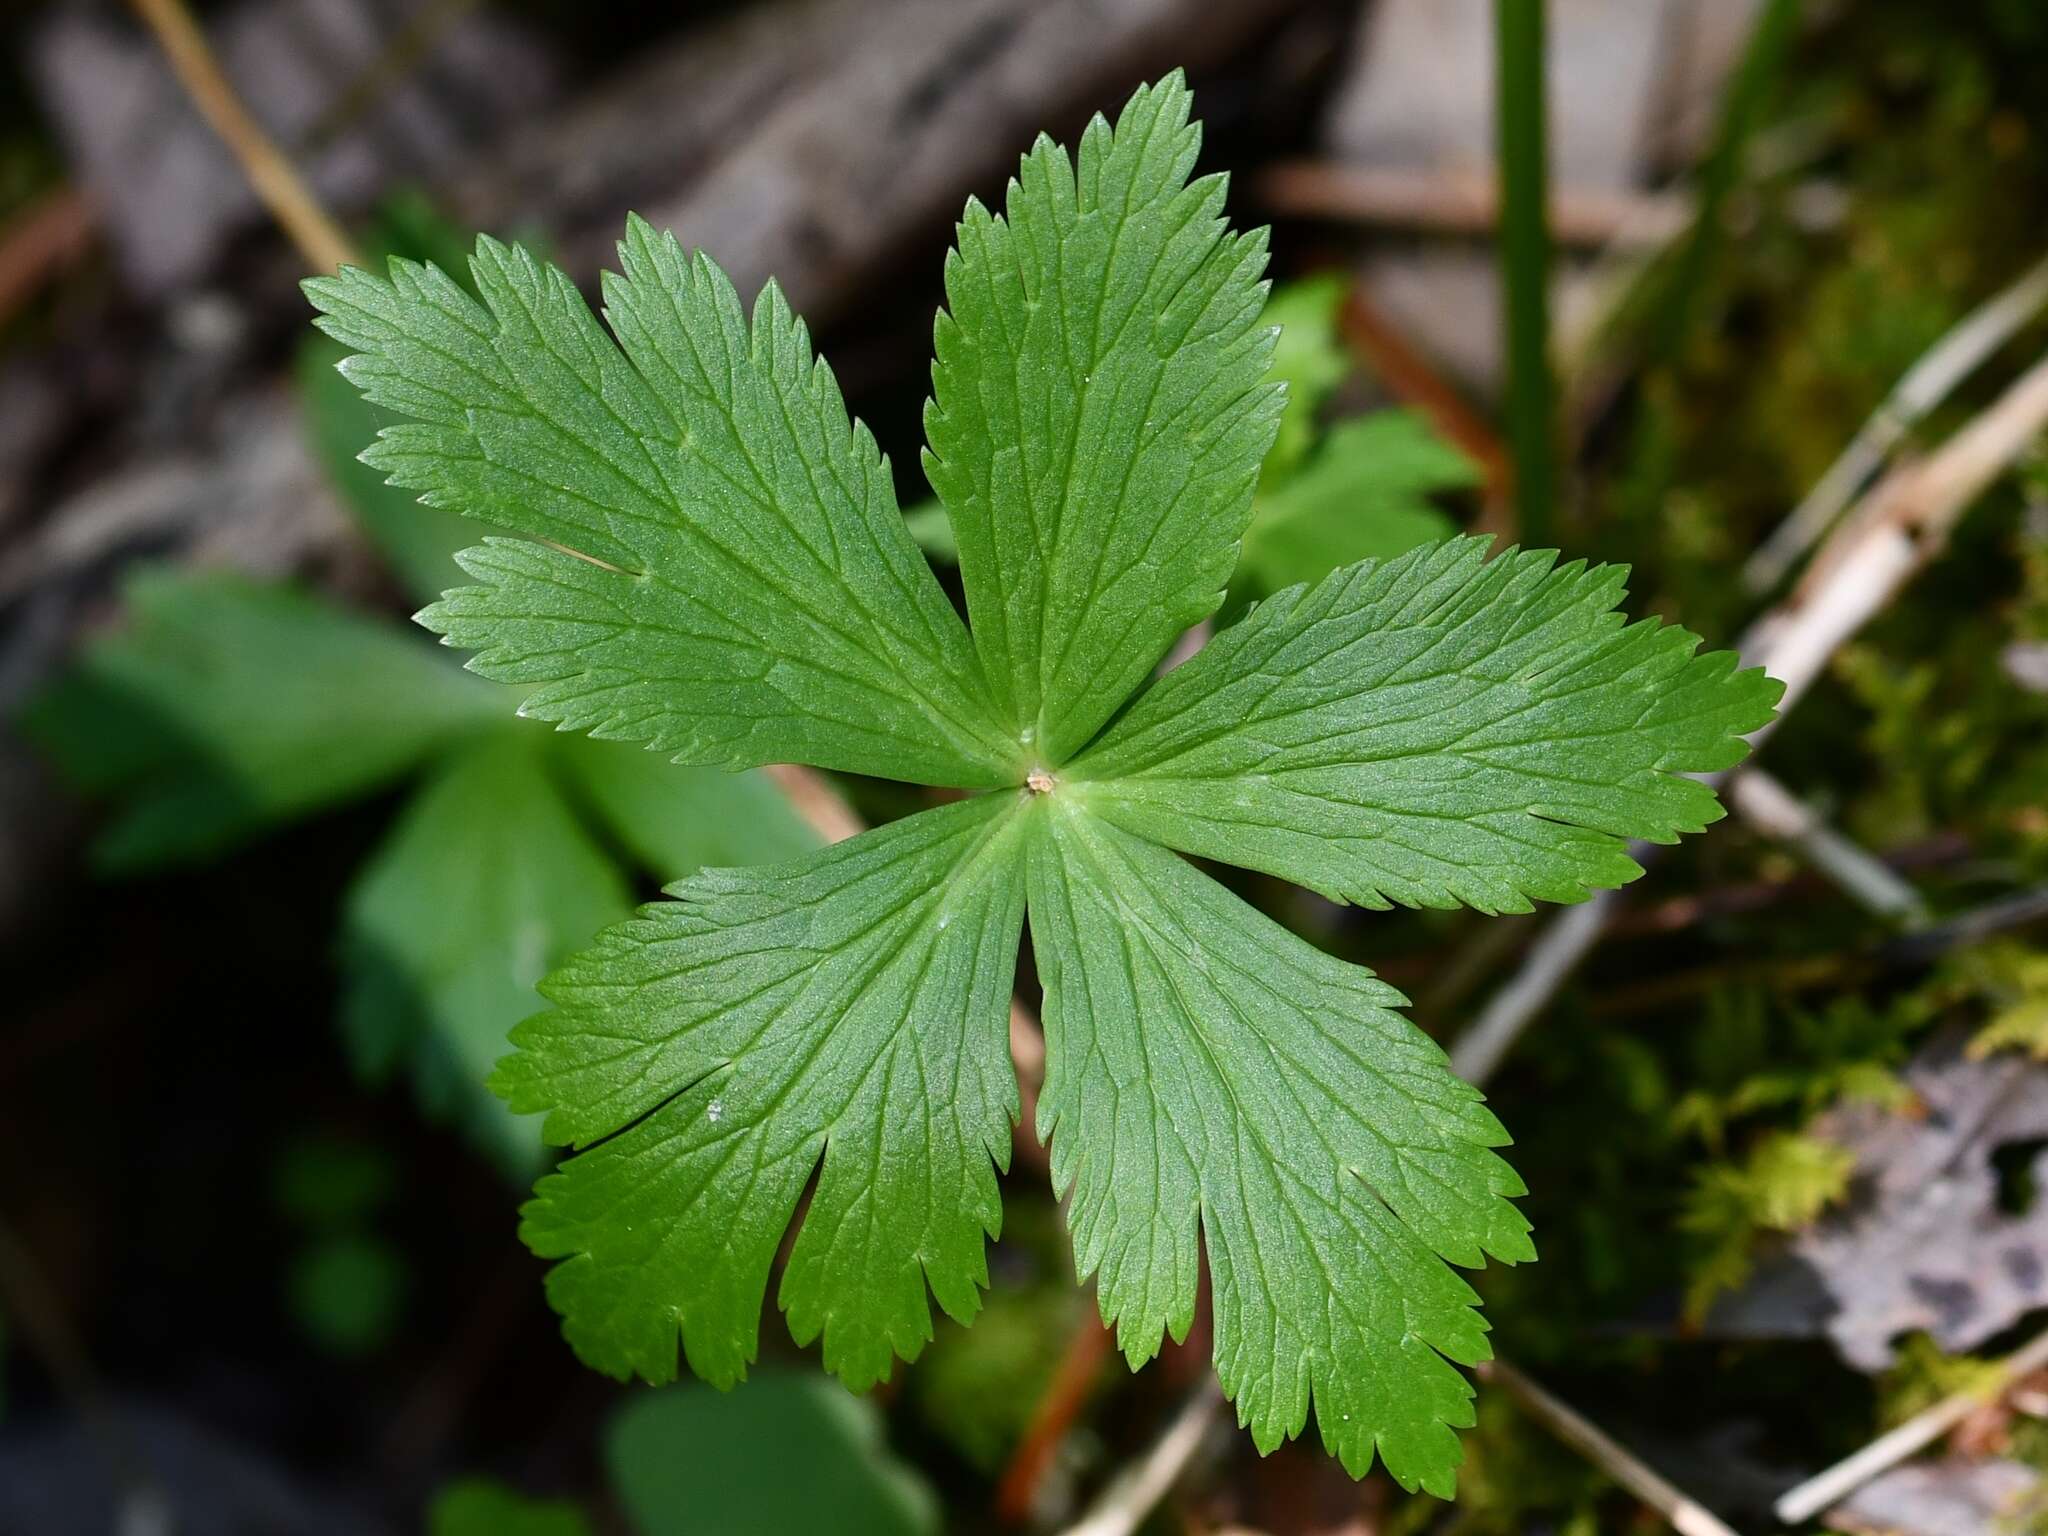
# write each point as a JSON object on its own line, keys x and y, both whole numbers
{"x": 1365, "y": 493}
{"x": 785, "y": 1452}
{"x": 224, "y": 707}
{"x": 480, "y": 1506}
{"x": 1309, "y": 359}
{"x": 345, "y": 1282}
{"x": 455, "y": 918}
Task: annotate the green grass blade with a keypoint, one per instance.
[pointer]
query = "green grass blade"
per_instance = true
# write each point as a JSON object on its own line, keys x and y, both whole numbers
{"x": 1762, "y": 67}
{"x": 1525, "y": 261}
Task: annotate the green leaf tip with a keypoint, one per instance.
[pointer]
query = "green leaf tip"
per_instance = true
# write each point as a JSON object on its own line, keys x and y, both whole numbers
{"x": 1099, "y": 411}
{"x": 705, "y": 556}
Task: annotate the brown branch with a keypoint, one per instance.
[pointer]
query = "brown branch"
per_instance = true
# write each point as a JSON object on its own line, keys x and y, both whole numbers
{"x": 1674, "y": 914}
{"x": 823, "y": 809}
{"x": 1059, "y": 1406}
{"x": 1126, "y": 1502}
{"x": 1802, "y": 1503}
{"x": 48, "y": 234}
{"x": 1911, "y": 950}
{"x": 319, "y": 239}
{"x": 1462, "y": 203}
{"x": 1412, "y": 379}
{"x": 1681, "y": 1512}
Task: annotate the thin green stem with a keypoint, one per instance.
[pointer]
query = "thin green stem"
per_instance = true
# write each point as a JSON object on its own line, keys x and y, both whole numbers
{"x": 1525, "y": 262}
{"x": 1763, "y": 65}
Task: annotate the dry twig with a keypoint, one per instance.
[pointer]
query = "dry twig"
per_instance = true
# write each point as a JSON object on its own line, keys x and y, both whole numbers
{"x": 1128, "y": 1499}
{"x": 1866, "y": 879}
{"x": 1684, "y": 1514}
{"x": 1463, "y": 203}
{"x": 1817, "y": 1493}
{"x": 1766, "y": 804}
{"x": 1925, "y": 385}
{"x": 1912, "y": 950}
{"x": 1064, "y": 1398}
{"x": 1684, "y": 910}
{"x": 1896, "y": 529}
{"x": 37, "y": 241}
{"x": 290, "y": 201}
{"x": 1411, "y": 379}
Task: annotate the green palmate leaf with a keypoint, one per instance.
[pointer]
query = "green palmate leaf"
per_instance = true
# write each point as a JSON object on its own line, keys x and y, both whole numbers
{"x": 846, "y": 1013}
{"x": 419, "y": 542}
{"x": 1429, "y": 729}
{"x": 1364, "y": 496}
{"x": 1308, "y": 361}
{"x": 1097, "y": 415}
{"x": 487, "y": 881}
{"x": 225, "y": 706}
{"x": 1433, "y": 730}
{"x": 1209, "y": 1073}
{"x": 714, "y": 562}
